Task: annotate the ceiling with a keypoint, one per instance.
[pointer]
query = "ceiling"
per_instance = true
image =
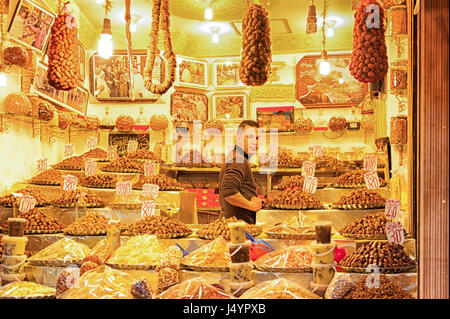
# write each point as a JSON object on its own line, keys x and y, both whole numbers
{"x": 191, "y": 33}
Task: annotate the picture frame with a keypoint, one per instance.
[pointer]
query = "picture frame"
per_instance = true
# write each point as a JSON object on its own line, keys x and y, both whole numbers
{"x": 75, "y": 100}
{"x": 109, "y": 79}
{"x": 82, "y": 58}
{"x": 192, "y": 73}
{"x": 277, "y": 117}
{"x": 231, "y": 106}
{"x": 188, "y": 106}
{"x": 336, "y": 89}
{"x": 226, "y": 74}
{"x": 30, "y": 25}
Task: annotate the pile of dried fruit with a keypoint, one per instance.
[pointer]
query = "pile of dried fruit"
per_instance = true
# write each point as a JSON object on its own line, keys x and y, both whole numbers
{"x": 99, "y": 181}
{"x": 293, "y": 198}
{"x": 361, "y": 198}
{"x": 220, "y": 227}
{"x": 90, "y": 224}
{"x": 124, "y": 165}
{"x": 158, "y": 225}
{"x": 41, "y": 199}
{"x": 48, "y": 177}
{"x": 71, "y": 163}
{"x": 163, "y": 181}
{"x": 84, "y": 198}
{"x": 386, "y": 290}
{"x": 38, "y": 221}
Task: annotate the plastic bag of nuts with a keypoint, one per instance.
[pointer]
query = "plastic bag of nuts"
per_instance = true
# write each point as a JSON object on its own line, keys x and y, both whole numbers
{"x": 399, "y": 129}
{"x": 15, "y": 56}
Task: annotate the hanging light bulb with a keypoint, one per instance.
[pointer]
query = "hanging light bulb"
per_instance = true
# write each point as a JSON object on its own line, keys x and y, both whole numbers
{"x": 208, "y": 14}
{"x": 99, "y": 1}
{"x": 215, "y": 38}
{"x": 215, "y": 34}
{"x": 3, "y": 79}
{"x": 134, "y": 21}
{"x": 311, "y": 20}
{"x": 105, "y": 44}
{"x": 324, "y": 65}
{"x": 330, "y": 32}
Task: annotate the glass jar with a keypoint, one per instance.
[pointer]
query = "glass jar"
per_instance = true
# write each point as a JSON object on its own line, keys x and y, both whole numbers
{"x": 141, "y": 123}
{"x": 399, "y": 20}
{"x": 399, "y": 80}
{"x": 353, "y": 123}
{"x": 368, "y": 122}
{"x": 107, "y": 123}
{"x": 321, "y": 124}
{"x": 399, "y": 129}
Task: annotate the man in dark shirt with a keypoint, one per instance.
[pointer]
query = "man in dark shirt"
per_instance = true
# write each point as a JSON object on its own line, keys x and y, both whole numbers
{"x": 237, "y": 194}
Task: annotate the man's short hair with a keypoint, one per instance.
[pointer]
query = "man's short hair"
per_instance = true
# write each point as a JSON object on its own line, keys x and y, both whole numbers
{"x": 247, "y": 123}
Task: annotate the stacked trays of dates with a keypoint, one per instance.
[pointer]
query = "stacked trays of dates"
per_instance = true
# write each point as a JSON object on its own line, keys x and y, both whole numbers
{"x": 164, "y": 182}
{"x": 37, "y": 223}
{"x": 82, "y": 198}
{"x": 194, "y": 159}
{"x": 361, "y": 199}
{"x": 41, "y": 199}
{"x": 124, "y": 165}
{"x": 293, "y": 198}
{"x": 160, "y": 226}
{"x": 220, "y": 227}
{"x": 353, "y": 179}
{"x": 295, "y": 181}
{"x": 99, "y": 181}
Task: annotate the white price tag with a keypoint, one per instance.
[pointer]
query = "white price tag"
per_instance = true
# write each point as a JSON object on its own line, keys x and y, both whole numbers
{"x": 70, "y": 183}
{"x": 370, "y": 163}
{"x": 123, "y": 188}
{"x": 392, "y": 208}
{"x": 91, "y": 142}
{"x": 394, "y": 232}
{"x": 148, "y": 208}
{"x": 112, "y": 153}
{"x": 371, "y": 179}
{"x": 150, "y": 190}
{"x": 310, "y": 184}
{"x": 90, "y": 167}
{"x": 132, "y": 146}
{"x": 42, "y": 165}
{"x": 149, "y": 169}
{"x": 318, "y": 150}
{"x": 27, "y": 203}
{"x": 308, "y": 168}
{"x": 69, "y": 149}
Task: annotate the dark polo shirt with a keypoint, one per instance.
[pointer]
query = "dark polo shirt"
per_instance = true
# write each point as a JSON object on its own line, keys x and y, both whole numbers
{"x": 236, "y": 177}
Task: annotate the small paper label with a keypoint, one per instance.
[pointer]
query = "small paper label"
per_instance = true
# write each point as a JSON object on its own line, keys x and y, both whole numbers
{"x": 70, "y": 183}
{"x": 308, "y": 168}
{"x": 112, "y": 153}
{"x": 123, "y": 188}
{"x": 91, "y": 142}
{"x": 148, "y": 208}
{"x": 370, "y": 163}
{"x": 149, "y": 169}
{"x": 372, "y": 181}
{"x": 69, "y": 150}
{"x": 394, "y": 232}
{"x": 132, "y": 146}
{"x": 27, "y": 203}
{"x": 150, "y": 190}
{"x": 310, "y": 184}
{"x": 392, "y": 208}
{"x": 318, "y": 150}
{"x": 42, "y": 165}
{"x": 90, "y": 167}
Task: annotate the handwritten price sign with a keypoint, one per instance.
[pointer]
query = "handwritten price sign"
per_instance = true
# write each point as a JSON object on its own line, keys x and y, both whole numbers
{"x": 123, "y": 188}
{"x": 91, "y": 142}
{"x": 392, "y": 208}
{"x": 112, "y": 153}
{"x": 394, "y": 232}
{"x": 149, "y": 169}
{"x": 42, "y": 165}
{"x": 310, "y": 184}
{"x": 308, "y": 168}
{"x": 371, "y": 179}
{"x": 68, "y": 150}
{"x": 148, "y": 208}
{"x": 370, "y": 163}
{"x": 317, "y": 150}
{"x": 150, "y": 190}
{"x": 132, "y": 146}
{"x": 70, "y": 183}
{"x": 27, "y": 203}
{"x": 90, "y": 167}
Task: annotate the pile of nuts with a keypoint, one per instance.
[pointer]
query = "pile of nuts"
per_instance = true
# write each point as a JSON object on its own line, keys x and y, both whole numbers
{"x": 144, "y": 153}
{"x": 124, "y": 123}
{"x": 254, "y": 68}
{"x": 63, "y": 62}
{"x": 15, "y": 56}
{"x": 46, "y": 111}
{"x": 353, "y": 178}
{"x": 124, "y": 165}
{"x": 303, "y": 126}
{"x": 48, "y": 177}
{"x": 386, "y": 290}
{"x": 194, "y": 159}
{"x": 71, "y": 163}
{"x": 219, "y": 227}
{"x": 365, "y": 197}
{"x": 84, "y": 198}
{"x": 337, "y": 123}
{"x": 369, "y": 224}
{"x": 41, "y": 199}
{"x": 64, "y": 120}
{"x": 96, "y": 153}
{"x": 399, "y": 130}
{"x": 185, "y": 183}
{"x": 291, "y": 181}
{"x": 163, "y": 181}
{"x": 159, "y": 122}
{"x": 78, "y": 121}
{"x": 294, "y": 197}
{"x": 158, "y": 225}
{"x": 382, "y": 254}
{"x": 326, "y": 161}
{"x": 284, "y": 159}
{"x": 36, "y": 220}
{"x": 93, "y": 122}
{"x": 99, "y": 181}
{"x": 89, "y": 223}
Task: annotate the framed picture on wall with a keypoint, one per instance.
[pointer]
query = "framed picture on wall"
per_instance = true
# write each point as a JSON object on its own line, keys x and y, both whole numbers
{"x": 226, "y": 75}
{"x": 231, "y": 106}
{"x": 192, "y": 73}
{"x": 30, "y": 25}
{"x": 189, "y": 106}
{"x": 82, "y": 58}
{"x": 336, "y": 89}
{"x": 110, "y": 79}
{"x": 75, "y": 100}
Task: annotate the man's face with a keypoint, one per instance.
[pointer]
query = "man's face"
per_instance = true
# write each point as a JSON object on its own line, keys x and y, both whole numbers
{"x": 249, "y": 138}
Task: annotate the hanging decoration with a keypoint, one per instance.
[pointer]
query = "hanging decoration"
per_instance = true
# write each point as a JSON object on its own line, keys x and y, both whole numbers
{"x": 63, "y": 62}
{"x": 311, "y": 20}
{"x": 129, "y": 47}
{"x": 160, "y": 11}
{"x": 324, "y": 64}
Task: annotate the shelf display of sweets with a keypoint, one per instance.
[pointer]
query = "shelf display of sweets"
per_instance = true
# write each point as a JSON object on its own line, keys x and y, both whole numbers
{"x": 14, "y": 255}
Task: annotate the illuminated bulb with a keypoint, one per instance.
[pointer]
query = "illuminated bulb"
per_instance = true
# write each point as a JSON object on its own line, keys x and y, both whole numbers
{"x": 341, "y": 80}
{"x": 105, "y": 46}
{"x": 330, "y": 32}
{"x": 99, "y": 1}
{"x": 208, "y": 14}
{"x": 3, "y": 80}
{"x": 227, "y": 115}
{"x": 132, "y": 27}
{"x": 215, "y": 38}
{"x": 179, "y": 60}
{"x": 324, "y": 67}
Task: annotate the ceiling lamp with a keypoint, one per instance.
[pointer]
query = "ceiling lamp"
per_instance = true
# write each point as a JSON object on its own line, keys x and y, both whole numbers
{"x": 105, "y": 44}
{"x": 208, "y": 12}
{"x": 311, "y": 20}
{"x": 324, "y": 65}
{"x": 215, "y": 33}
{"x": 135, "y": 18}
{"x": 330, "y": 28}
{"x": 99, "y": 1}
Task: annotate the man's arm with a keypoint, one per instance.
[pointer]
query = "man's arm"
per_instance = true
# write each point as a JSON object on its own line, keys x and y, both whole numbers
{"x": 240, "y": 201}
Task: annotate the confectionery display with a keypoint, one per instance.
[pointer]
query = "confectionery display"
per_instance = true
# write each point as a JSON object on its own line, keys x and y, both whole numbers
{"x": 64, "y": 120}
{"x": 16, "y": 103}
{"x": 285, "y": 159}
{"x": 337, "y": 123}
{"x": 159, "y": 122}
{"x": 26, "y": 290}
{"x": 371, "y": 226}
{"x": 41, "y": 199}
{"x": 78, "y": 121}
{"x": 140, "y": 289}
{"x": 96, "y": 153}
{"x": 124, "y": 123}
{"x": 124, "y": 165}
{"x": 196, "y": 288}
{"x": 214, "y": 255}
{"x": 220, "y": 227}
{"x": 15, "y": 56}
{"x": 99, "y": 181}
{"x": 293, "y": 198}
{"x": 92, "y": 122}
{"x": 289, "y": 259}
{"x": 303, "y": 126}
{"x": 161, "y": 226}
{"x": 50, "y": 176}
{"x": 81, "y": 198}
{"x": 326, "y": 161}
{"x": 386, "y": 290}
{"x": 73, "y": 163}
{"x": 390, "y": 257}
{"x": 62, "y": 253}
{"x": 193, "y": 159}
{"x": 298, "y": 227}
{"x": 38, "y": 222}
{"x": 278, "y": 289}
{"x": 361, "y": 198}
{"x": 164, "y": 182}
{"x": 144, "y": 154}
{"x": 212, "y": 124}
{"x": 90, "y": 224}
{"x": 13, "y": 246}
{"x": 353, "y": 179}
